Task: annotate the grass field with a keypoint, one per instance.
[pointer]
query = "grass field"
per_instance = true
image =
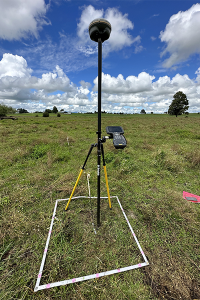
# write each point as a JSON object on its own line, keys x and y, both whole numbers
{"x": 40, "y": 159}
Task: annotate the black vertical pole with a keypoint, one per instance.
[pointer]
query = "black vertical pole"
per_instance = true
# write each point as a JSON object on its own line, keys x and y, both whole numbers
{"x": 99, "y": 129}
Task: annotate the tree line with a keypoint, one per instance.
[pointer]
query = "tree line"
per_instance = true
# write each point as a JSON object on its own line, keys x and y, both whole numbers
{"x": 179, "y": 106}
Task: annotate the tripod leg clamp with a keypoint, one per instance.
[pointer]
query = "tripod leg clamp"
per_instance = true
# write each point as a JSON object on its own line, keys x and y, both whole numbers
{"x": 79, "y": 176}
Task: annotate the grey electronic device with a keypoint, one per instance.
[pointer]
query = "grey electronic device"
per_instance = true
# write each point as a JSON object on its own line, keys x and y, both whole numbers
{"x": 116, "y": 133}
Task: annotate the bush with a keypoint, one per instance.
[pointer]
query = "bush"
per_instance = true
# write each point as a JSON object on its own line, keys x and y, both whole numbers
{"x": 58, "y": 114}
{"x": 45, "y": 114}
{"x": 4, "y": 110}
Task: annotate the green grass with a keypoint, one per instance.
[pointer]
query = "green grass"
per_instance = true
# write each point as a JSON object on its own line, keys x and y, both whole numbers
{"x": 40, "y": 159}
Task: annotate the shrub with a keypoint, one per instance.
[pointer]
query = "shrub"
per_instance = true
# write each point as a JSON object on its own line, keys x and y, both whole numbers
{"x": 45, "y": 114}
{"x": 4, "y": 110}
{"x": 58, "y": 114}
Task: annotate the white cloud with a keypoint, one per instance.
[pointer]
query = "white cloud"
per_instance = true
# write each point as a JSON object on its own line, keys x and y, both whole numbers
{"x": 14, "y": 65}
{"x": 119, "y": 37}
{"x": 19, "y": 89}
{"x": 131, "y": 84}
{"x": 85, "y": 84}
{"x": 181, "y": 36}
{"x": 120, "y": 24}
{"x": 143, "y": 91}
{"x": 21, "y": 18}
{"x": 16, "y": 84}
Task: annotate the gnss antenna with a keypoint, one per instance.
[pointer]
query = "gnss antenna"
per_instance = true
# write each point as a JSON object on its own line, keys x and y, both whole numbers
{"x": 99, "y": 29}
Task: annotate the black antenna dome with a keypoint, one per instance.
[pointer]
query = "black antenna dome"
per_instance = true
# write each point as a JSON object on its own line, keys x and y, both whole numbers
{"x": 99, "y": 28}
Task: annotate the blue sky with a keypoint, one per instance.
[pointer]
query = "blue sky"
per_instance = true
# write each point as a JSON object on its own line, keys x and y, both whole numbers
{"x": 47, "y": 57}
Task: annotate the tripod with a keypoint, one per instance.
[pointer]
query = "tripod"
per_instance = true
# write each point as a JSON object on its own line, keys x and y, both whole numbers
{"x": 98, "y": 174}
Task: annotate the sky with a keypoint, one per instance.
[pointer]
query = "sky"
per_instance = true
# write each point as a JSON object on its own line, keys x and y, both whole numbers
{"x": 48, "y": 59}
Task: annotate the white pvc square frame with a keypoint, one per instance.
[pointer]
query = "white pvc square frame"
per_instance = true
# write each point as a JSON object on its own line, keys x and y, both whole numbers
{"x": 97, "y": 275}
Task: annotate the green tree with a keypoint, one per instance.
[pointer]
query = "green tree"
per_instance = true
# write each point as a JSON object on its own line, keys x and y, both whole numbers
{"x": 4, "y": 110}
{"x": 48, "y": 110}
{"x": 179, "y": 105}
{"x": 54, "y": 110}
{"x": 143, "y": 111}
{"x": 22, "y": 111}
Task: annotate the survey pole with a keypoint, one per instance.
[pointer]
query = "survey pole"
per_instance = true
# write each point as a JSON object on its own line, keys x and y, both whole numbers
{"x": 99, "y": 131}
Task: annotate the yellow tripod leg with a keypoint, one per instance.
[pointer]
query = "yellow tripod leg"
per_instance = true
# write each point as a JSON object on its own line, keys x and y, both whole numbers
{"x": 79, "y": 176}
{"x": 107, "y": 186}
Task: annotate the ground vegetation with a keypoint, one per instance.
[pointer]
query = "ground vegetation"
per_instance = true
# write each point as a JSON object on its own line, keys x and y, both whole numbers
{"x": 40, "y": 161}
